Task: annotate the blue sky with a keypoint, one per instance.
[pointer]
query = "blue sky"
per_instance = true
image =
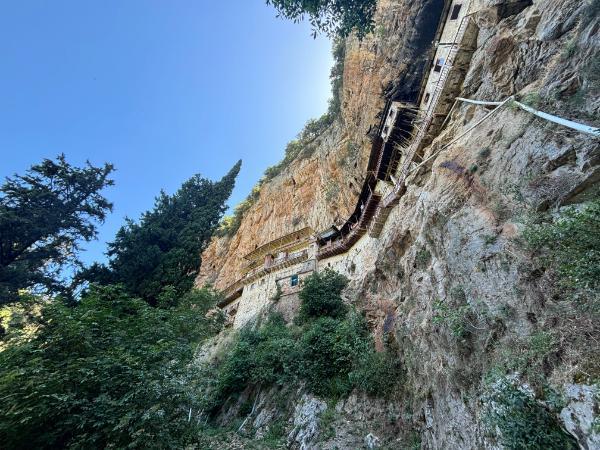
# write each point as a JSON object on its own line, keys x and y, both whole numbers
{"x": 162, "y": 89}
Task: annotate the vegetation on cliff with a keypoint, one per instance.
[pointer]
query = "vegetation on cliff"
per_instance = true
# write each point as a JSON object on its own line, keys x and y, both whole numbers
{"x": 569, "y": 244}
{"x": 302, "y": 147}
{"x": 329, "y": 349}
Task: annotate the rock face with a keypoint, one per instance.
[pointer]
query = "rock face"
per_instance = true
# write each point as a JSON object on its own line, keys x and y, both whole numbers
{"x": 322, "y": 189}
{"x": 454, "y": 236}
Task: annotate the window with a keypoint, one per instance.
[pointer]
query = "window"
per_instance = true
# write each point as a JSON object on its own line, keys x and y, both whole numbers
{"x": 294, "y": 280}
{"x": 438, "y": 65}
{"x": 455, "y": 12}
{"x": 427, "y": 98}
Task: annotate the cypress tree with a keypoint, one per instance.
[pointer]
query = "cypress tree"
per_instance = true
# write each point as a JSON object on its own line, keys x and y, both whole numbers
{"x": 158, "y": 257}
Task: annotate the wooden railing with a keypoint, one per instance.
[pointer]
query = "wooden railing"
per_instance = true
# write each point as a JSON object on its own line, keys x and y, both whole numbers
{"x": 345, "y": 242}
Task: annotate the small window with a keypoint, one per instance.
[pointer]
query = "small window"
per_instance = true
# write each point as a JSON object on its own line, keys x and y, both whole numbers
{"x": 392, "y": 113}
{"x": 294, "y": 280}
{"x": 455, "y": 12}
{"x": 426, "y": 100}
{"x": 385, "y": 129}
{"x": 438, "y": 65}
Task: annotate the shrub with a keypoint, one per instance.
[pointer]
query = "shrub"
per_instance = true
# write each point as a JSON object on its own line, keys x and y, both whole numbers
{"x": 257, "y": 356}
{"x": 455, "y": 318}
{"x": 523, "y": 422}
{"x": 330, "y": 350}
{"x": 422, "y": 258}
{"x": 570, "y": 244}
{"x": 378, "y": 373}
{"x": 321, "y": 295}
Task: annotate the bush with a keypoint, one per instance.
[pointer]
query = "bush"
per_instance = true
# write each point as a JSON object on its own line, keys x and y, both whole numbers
{"x": 258, "y": 356}
{"x": 378, "y": 373}
{"x": 321, "y": 295}
{"x": 422, "y": 258}
{"x": 456, "y": 318}
{"x": 523, "y": 422}
{"x": 330, "y": 350}
{"x": 109, "y": 372}
{"x": 570, "y": 244}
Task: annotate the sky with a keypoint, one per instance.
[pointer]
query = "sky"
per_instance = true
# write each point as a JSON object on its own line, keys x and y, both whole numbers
{"x": 163, "y": 89}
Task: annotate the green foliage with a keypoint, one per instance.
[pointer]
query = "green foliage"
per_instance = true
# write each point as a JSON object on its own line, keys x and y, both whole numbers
{"x": 422, "y": 258}
{"x": 321, "y": 295}
{"x": 258, "y": 356}
{"x": 332, "y": 352}
{"x": 109, "y": 372}
{"x": 332, "y": 17}
{"x": 523, "y": 422}
{"x": 455, "y": 318}
{"x": 570, "y": 244}
{"x": 527, "y": 356}
{"x": 532, "y": 99}
{"x": 44, "y": 215}
{"x": 336, "y": 77}
{"x": 490, "y": 239}
{"x": 157, "y": 258}
{"x": 378, "y": 373}
{"x": 570, "y": 49}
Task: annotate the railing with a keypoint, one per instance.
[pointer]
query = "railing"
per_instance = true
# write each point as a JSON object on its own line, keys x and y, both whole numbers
{"x": 344, "y": 243}
{"x": 394, "y": 194}
{"x": 231, "y": 291}
{"x": 429, "y": 114}
{"x": 376, "y": 209}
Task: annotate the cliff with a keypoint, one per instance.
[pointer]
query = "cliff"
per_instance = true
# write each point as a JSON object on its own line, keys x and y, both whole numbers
{"x": 321, "y": 189}
{"x": 450, "y": 283}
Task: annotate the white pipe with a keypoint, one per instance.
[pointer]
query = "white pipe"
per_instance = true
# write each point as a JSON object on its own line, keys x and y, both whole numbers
{"x": 487, "y": 116}
{"x": 477, "y": 102}
{"x": 559, "y": 120}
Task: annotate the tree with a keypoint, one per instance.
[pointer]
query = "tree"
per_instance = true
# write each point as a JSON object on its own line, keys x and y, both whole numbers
{"x": 332, "y": 17}
{"x": 159, "y": 256}
{"x": 44, "y": 215}
{"x": 321, "y": 295}
{"x": 109, "y": 372}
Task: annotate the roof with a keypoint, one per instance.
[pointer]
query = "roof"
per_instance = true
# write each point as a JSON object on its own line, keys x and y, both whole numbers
{"x": 328, "y": 232}
{"x": 279, "y": 242}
